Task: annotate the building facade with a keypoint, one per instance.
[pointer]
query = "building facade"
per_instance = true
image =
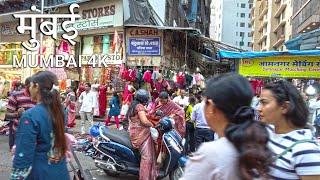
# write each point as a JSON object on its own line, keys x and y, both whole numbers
{"x": 271, "y": 24}
{"x": 231, "y": 22}
{"x": 306, "y": 16}
{"x": 305, "y": 25}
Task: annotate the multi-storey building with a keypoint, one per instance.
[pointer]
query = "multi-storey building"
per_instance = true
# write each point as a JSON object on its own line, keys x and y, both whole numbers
{"x": 305, "y": 25}
{"x": 271, "y": 24}
{"x": 306, "y": 16}
{"x": 231, "y": 22}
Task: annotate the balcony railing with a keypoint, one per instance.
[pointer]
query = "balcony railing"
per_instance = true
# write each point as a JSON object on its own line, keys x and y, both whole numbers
{"x": 263, "y": 9}
{"x": 264, "y": 23}
{"x": 280, "y": 24}
{"x": 263, "y": 37}
{"x": 279, "y": 42}
{"x": 281, "y": 8}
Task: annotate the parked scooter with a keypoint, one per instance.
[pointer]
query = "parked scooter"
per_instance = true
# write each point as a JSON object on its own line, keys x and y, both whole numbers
{"x": 113, "y": 151}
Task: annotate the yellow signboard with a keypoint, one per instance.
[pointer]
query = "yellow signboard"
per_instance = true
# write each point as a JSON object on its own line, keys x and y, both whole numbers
{"x": 285, "y": 66}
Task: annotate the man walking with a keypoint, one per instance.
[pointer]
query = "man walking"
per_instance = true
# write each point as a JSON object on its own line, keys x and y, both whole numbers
{"x": 87, "y": 100}
{"x": 203, "y": 133}
{"x": 19, "y": 102}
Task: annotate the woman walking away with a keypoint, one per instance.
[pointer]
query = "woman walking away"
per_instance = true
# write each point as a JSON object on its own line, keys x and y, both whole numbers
{"x": 139, "y": 130}
{"x": 40, "y": 144}
{"x": 114, "y": 109}
{"x": 297, "y": 155}
{"x": 241, "y": 151}
{"x": 71, "y": 107}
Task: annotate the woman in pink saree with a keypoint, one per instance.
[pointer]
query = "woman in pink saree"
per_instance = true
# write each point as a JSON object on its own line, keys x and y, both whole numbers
{"x": 139, "y": 130}
{"x": 171, "y": 109}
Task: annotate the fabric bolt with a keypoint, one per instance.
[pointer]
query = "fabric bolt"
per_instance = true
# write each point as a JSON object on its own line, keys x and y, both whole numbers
{"x": 36, "y": 132}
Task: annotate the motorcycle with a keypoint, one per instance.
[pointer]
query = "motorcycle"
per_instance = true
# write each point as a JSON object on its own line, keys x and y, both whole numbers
{"x": 112, "y": 151}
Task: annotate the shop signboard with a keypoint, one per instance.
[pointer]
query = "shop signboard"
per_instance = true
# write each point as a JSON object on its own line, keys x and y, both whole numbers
{"x": 92, "y": 23}
{"x": 150, "y": 46}
{"x": 143, "y": 61}
{"x": 281, "y": 66}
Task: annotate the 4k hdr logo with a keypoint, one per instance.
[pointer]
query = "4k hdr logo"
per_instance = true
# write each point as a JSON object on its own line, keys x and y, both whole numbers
{"x": 246, "y": 62}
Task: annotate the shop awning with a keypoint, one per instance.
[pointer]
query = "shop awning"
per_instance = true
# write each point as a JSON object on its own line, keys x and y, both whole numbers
{"x": 246, "y": 55}
{"x": 295, "y": 43}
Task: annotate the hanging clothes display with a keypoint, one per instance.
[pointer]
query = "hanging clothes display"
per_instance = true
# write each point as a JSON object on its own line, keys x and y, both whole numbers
{"x": 63, "y": 85}
{"x": 181, "y": 80}
{"x": 64, "y": 48}
{"x": 87, "y": 45}
{"x": 106, "y": 44}
{"x": 256, "y": 85}
{"x": 147, "y": 76}
{"x": 102, "y": 100}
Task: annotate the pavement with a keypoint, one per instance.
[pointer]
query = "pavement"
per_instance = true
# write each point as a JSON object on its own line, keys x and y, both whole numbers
{"x": 85, "y": 161}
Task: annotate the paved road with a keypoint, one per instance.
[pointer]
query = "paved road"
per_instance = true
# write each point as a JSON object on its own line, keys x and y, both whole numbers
{"x": 86, "y": 162}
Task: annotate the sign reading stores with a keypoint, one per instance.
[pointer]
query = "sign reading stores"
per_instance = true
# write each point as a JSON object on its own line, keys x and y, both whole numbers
{"x": 93, "y": 23}
{"x": 290, "y": 66}
{"x": 145, "y": 46}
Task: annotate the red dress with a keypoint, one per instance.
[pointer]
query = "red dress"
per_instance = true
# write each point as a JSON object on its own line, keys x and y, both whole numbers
{"x": 102, "y": 100}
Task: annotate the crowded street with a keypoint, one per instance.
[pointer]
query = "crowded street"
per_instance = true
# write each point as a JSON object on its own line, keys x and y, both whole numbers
{"x": 159, "y": 89}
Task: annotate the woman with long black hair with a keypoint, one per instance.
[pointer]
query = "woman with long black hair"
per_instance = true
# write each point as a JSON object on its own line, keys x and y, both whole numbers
{"x": 139, "y": 130}
{"x": 297, "y": 153}
{"x": 40, "y": 143}
{"x": 241, "y": 151}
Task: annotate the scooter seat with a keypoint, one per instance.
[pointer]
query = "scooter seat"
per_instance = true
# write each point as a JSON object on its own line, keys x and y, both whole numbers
{"x": 119, "y": 136}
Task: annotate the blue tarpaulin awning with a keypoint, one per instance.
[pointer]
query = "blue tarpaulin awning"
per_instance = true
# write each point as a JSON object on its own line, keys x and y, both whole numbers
{"x": 247, "y": 55}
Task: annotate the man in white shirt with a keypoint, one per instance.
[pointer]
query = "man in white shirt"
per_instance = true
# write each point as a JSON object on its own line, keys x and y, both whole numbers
{"x": 182, "y": 100}
{"x": 202, "y": 133}
{"x": 87, "y": 100}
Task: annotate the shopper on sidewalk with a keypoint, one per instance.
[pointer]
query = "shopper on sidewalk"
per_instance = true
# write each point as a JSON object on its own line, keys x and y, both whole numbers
{"x": 87, "y": 100}
{"x": 114, "y": 109}
{"x": 40, "y": 142}
{"x": 241, "y": 152}
{"x": 71, "y": 107}
{"x": 19, "y": 102}
{"x": 202, "y": 132}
